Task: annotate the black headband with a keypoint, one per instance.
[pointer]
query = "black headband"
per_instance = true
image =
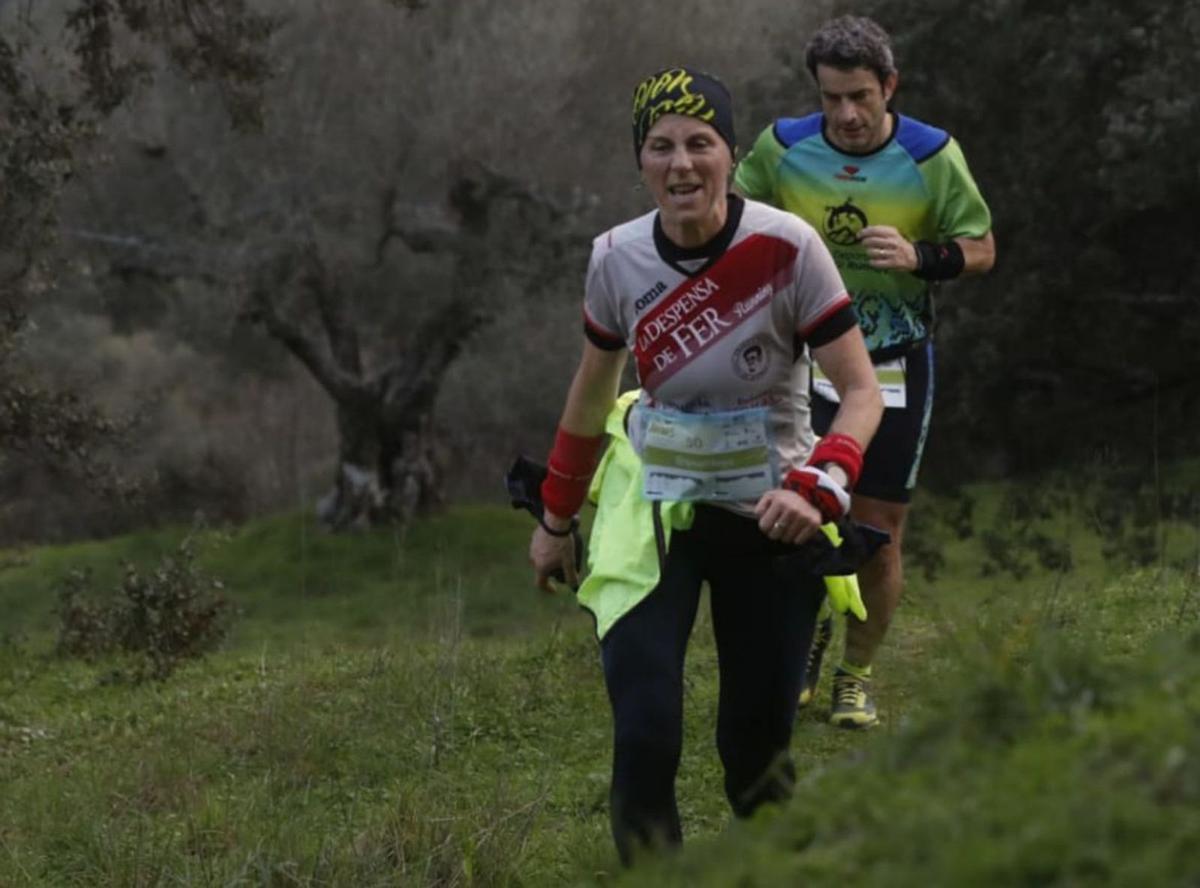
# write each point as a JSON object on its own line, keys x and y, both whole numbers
{"x": 680, "y": 91}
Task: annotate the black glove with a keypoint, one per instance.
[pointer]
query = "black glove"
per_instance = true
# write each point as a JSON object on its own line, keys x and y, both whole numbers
{"x": 524, "y": 484}
{"x": 821, "y": 558}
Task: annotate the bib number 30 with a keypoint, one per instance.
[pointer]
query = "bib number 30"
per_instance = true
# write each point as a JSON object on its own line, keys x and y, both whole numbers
{"x": 704, "y": 456}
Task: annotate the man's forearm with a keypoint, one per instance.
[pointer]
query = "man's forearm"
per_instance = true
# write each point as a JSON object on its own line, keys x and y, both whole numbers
{"x": 979, "y": 253}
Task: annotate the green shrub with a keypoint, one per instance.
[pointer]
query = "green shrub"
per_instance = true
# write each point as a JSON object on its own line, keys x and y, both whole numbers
{"x": 161, "y": 616}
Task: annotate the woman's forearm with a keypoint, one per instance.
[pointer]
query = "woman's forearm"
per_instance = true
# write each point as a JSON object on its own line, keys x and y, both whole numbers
{"x": 593, "y": 391}
{"x": 860, "y": 412}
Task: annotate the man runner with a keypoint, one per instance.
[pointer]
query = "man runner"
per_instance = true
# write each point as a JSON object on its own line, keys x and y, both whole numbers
{"x": 899, "y": 211}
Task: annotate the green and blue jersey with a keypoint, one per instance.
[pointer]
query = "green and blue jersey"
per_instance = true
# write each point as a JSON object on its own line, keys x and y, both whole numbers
{"x": 917, "y": 182}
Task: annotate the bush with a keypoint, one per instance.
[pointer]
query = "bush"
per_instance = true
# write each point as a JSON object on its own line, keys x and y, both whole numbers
{"x": 161, "y": 617}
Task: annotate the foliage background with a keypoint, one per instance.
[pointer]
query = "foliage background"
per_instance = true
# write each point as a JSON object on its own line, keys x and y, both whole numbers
{"x": 1077, "y": 119}
{"x": 394, "y": 707}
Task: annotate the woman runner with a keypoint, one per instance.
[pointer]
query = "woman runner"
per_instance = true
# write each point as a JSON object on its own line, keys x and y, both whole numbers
{"x": 722, "y": 301}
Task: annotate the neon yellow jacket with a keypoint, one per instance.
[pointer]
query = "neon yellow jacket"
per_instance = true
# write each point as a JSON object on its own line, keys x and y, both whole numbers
{"x": 623, "y": 565}
{"x": 622, "y": 551}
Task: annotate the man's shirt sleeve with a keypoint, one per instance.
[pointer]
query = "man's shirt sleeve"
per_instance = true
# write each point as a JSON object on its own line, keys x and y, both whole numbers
{"x": 757, "y": 172}
{"x": 961, "y": 210}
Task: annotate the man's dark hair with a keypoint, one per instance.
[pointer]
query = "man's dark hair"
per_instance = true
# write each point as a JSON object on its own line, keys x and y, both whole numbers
{"x": 851, "y": 41}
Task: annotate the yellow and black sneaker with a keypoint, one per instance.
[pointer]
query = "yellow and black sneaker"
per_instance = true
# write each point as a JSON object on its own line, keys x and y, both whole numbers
{"x": 816, "y": 653}
{"x": 852, "y": 706}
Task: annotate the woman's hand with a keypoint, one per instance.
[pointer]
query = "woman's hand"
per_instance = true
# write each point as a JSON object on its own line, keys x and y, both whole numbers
{"x": 549, "y": 553}
{"x": 787, "y": 517}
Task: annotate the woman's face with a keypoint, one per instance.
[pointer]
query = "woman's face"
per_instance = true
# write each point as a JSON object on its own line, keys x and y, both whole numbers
{"x": 686, "y": 165}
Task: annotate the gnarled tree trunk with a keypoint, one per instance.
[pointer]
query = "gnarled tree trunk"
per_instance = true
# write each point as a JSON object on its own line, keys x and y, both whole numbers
{"x": 387, "y": 467}
{"x": 386, "y": 470}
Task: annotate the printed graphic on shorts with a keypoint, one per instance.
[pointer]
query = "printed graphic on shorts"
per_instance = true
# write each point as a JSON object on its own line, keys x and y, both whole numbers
{"x": 752, "y": 358}
{"x": 702, "y": 311}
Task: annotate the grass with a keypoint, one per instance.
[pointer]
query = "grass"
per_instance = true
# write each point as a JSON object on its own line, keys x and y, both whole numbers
{"x": 1063, "y": 759}
{"x": 332, "y": 766}
{"x": 404, "y": 709}
{"x": 297, "y": 584}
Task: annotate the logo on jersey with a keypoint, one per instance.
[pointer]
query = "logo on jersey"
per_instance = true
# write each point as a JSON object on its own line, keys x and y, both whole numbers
{"x": 844, "y": 222}
{"x": 849, "y": 173}
{"x": 752, "y": 357}
{"x": 685, "y": 311}
{"x": 649, "y": 296}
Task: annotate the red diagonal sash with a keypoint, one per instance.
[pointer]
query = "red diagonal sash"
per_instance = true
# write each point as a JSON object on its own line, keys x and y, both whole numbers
{"x": 704, "y": 309}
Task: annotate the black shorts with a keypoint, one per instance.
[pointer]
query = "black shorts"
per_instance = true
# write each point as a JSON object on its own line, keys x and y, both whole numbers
{"x": 891, "y": 462}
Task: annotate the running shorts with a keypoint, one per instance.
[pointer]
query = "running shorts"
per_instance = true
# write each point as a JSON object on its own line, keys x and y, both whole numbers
{"x": 891, "y": 462}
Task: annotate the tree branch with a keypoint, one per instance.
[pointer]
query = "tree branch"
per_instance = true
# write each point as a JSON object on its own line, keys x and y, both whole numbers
{"x": 331, "y": 301}
{"x": 424, "y": 228}
{"x": 340, "y": 385}
{"x": 416, "y": 379}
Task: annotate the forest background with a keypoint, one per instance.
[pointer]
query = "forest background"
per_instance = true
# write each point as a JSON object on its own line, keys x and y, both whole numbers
{"x": 248, "y": 253}
{"x": 264, "y": 265}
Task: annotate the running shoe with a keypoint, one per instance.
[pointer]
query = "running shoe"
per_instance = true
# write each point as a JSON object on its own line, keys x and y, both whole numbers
{"x": 812, "y": 671}
{"x": 852, "y": 706}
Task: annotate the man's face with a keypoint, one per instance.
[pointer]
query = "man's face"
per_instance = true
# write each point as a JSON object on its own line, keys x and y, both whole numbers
{"x": 855, "y": 106}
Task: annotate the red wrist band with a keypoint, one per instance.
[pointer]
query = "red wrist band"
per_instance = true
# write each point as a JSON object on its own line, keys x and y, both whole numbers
{"x": 841, "y": 450}
{"x": 568, "y": 471}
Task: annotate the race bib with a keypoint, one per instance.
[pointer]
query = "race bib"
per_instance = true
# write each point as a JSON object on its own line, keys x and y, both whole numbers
{"x": 704, "y": 456}
{"x": 891, "y": 382}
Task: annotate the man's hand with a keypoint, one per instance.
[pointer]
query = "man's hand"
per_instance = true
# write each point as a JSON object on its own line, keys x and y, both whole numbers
{"x": 549, "y": 553}
{"x": 787, "y": 516}
{"x": 887, "y": 249}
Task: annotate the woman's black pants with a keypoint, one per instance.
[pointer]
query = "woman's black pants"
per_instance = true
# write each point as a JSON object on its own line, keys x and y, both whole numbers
{"x": 763, "y": 623}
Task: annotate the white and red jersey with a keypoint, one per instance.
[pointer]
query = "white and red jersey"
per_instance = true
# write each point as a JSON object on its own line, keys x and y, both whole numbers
{"x": 726, "y": 326}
